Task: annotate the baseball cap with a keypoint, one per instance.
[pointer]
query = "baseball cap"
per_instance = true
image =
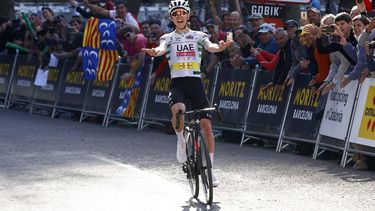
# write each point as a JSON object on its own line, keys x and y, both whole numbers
{"x": 255, "y": 16}
{"x": 265, "y": 27}
{"x": 291, "y": 23}
{"x": 314, "y": 9}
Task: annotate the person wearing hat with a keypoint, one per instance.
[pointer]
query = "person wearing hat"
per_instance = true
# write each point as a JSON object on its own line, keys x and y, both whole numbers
{"x": 291, "y": 27}
{"x": 267, "y": 42}
{"x": 313, "y": 16}
{"x": 255, "y": 20}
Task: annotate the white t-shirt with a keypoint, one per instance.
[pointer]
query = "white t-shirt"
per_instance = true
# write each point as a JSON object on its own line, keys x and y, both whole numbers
{"x": 184, "y": 52}
{"x": 128, "y": 18}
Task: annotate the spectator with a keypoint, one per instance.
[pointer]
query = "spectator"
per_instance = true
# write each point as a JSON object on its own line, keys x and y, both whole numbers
{"x": 279, "y": 63}
{"x": 291, "y": 27}
{"x": 49, "y": 17}
{"x": 133, "y": 44}
{"x": 123, "y": 18}
{"x": 225, "y": 24}
{"x": 146, "y": 29}
{"x": 255, "y": 20}
{"x": 299, "y": 55}
{"x": 267, "y": 42}
{"x": 195, "y": 23}
{"x": 340, "y": 60}
{"x": 235, "y": 20}
{"x": 313, "y": 16}
{"x": 318, "y": 63}
{"x": 360, "y": 71}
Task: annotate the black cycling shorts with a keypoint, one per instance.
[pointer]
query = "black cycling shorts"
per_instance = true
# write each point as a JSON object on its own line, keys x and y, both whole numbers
{"x": 189, "y": 89}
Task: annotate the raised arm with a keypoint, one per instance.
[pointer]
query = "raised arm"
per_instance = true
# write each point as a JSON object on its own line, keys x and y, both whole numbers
{"x": 95, "y": 9}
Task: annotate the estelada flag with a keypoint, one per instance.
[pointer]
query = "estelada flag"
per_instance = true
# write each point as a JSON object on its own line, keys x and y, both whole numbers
{"x": 99, "y": 49}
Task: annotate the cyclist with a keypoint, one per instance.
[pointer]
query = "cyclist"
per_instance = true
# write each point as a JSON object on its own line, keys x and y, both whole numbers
{"x": 183, "y": 48}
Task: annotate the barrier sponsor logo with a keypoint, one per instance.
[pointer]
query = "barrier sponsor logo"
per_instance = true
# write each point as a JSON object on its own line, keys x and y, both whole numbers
{"x": 4, "y": 69}
{"x": 336, "y": 119}
{"x": 75, "y": 78}
{"x": 304, "y": 99}
{"x": 231, "y": 89}
{"x": 161, "y": 90}
{"x": 367, "y": 127}
{"x": 271, "y": 94}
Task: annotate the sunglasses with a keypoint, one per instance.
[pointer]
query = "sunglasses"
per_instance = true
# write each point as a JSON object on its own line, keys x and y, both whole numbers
{"x": 179, "y": 12}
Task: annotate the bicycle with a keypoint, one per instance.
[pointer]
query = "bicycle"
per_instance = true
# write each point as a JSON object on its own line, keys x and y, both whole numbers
{"x": 198, "y": 158}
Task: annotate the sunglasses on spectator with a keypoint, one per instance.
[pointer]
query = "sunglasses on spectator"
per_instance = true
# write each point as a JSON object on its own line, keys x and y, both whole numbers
{"x": 179, "y": 12}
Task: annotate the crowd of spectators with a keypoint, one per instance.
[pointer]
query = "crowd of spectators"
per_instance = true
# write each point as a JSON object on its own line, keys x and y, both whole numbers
{"x": 326, "y": 46}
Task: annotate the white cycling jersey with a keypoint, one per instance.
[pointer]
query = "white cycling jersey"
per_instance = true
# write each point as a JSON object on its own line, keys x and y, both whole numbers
{"x": 184, "y": 52}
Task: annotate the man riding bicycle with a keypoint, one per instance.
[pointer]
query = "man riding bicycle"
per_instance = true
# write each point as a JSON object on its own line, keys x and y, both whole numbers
{"x": 183, "y": 48}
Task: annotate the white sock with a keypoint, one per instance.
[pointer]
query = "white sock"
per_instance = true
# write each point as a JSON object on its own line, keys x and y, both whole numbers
{"x": 212, "y": 159}
{"x": 180, "y": 136}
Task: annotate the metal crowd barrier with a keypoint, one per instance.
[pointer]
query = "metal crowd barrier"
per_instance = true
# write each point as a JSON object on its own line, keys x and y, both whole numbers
{"x": 287, "y": 114}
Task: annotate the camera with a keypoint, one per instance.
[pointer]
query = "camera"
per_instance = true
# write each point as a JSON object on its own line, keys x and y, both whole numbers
{"x": 329, "y": 29}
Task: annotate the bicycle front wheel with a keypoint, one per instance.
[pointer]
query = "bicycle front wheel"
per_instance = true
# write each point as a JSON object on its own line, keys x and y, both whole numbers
{"x": 205, "y": 168}
{"x": 191, "y": 165}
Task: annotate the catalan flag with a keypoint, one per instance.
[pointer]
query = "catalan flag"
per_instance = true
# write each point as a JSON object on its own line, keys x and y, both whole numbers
{"x": 99, "y": 49}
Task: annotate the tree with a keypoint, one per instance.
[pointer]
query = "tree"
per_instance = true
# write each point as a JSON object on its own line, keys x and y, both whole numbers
{"x": 7, "y": 8}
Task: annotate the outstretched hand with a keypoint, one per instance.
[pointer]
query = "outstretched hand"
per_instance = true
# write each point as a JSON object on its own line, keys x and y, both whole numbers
{"x": 224, "y": 44}
{"x": 150, "y": 51}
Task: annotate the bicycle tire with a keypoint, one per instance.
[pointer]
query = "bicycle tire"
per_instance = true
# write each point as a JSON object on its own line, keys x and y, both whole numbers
{"x": 205, "y": 168}
{"x": 191, "y": 165}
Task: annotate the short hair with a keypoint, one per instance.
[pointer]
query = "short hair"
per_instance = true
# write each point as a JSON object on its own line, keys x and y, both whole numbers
{"x": 121, "y": 2}
{"x": 47, "y": 8}
{"x": 282, "y": 31}
{"x": 328, "y": 17}
{"x": 79, "y": 21}
{"x": 158, "y": 22}
{"x": 146, "y": 22}
{"x": 343, "y": 16}
{"x": 363, "y": 19}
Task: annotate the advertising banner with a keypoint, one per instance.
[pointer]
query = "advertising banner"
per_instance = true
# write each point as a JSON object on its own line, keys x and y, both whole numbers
{"x": 363, "y": 131}
{"x": 232, "y": 96}
{"x": 6, "y": 63}
{"x": 300, "y": 121}
{"x": 267, "y": 106}
{"x": 73, "y": 88}
{"x": 98, "y": 96}
{"x": 23, "y": 84}
{"x": 47, "y": 94}
{"x": 338, "y": 110}
{"x": 157, "y": 103}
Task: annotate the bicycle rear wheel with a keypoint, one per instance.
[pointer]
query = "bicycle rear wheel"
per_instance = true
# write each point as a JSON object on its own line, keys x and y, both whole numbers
{"x": 191, "y": 165}
{"x": 205, "y": 168}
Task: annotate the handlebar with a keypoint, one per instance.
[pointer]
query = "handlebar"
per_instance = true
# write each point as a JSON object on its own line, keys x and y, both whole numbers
{"x": 197, "y": 111}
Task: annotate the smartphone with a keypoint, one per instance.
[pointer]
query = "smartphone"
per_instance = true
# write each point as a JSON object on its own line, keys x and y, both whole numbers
{"x": 335, "y": 38}
{"x": 229, "y": 36}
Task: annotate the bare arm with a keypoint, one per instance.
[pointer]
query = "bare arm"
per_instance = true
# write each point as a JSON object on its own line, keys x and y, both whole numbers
{"x": 213, "y": 11}
{"x": 97, "y": 9}
{"x": 158, "y": 51}
{"x": 213, "y": 47}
